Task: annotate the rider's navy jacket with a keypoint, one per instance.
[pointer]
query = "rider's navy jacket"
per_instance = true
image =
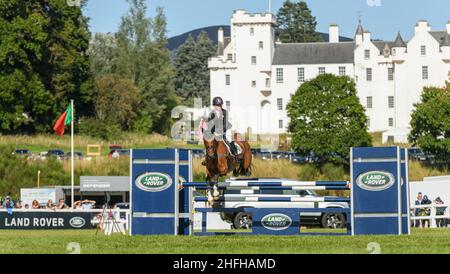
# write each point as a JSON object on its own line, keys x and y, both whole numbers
{"x": 216, "y": 124}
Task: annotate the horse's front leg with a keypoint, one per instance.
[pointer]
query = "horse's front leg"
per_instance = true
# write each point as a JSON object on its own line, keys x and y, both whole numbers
{"x": 216, "y": 192}
{"x": 209, "y": 190}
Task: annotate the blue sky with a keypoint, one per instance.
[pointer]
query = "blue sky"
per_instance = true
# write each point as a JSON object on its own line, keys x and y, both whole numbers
{"x": 382, "y": 17}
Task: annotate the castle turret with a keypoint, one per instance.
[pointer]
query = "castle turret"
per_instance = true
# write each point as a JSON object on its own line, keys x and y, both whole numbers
{"x": 399, "y": 48}
{"x": 359, "y": 34}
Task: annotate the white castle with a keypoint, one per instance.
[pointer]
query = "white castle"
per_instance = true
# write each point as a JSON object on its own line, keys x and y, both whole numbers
{"x": 256, "y": 75}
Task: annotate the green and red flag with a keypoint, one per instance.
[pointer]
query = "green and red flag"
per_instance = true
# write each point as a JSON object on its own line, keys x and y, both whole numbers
{"x": 64, "y": 120}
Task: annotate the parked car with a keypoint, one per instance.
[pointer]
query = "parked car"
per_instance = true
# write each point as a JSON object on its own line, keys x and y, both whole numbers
{"x": 299, "y": 159}
{"x": 78, "y": 155}
{"x": 243, "y": 220}
{"x": 22, "y": 152}
{"x": 416, "y": 154}
{"x": 123, "y": 205}
{"x": 264, "y": 155}
{"x": 121, "y": 152}
{"x": 59, "y": 154}
{"x": 255, "y": 150}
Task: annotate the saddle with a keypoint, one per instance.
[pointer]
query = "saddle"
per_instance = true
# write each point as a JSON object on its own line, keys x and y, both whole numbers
{"x": 238, "y": 148}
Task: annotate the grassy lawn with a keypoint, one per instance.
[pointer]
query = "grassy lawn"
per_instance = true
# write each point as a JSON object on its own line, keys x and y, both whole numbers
{"x": 421, "y": 241}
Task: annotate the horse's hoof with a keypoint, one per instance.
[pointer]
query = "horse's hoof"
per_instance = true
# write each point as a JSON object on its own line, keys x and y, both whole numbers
{"x": 210, "y": 198}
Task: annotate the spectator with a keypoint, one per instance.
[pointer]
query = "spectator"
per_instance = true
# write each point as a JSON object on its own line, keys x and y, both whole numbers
{"x": 8, "y": 204}
{"x": 49, "y": 205}
{"x": 26, "y": 206}
{"x": 18, "y": 205}
{"x": 61, "y": 205}
{"x": 425, "y": 211}
{"x": 87, "y": 204}
{"x": 416, "y": 211}
{"x": 440, "y": 212}
{"x": 35, "y": 205}
{"x": 115, "y": 154}
{"x": 77, "y": 205}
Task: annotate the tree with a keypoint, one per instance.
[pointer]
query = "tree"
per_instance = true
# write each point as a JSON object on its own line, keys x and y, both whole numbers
{"x": 142, "y": 57}
{"x": 205, "y": 50}
{"x": 430, "y": 122}
{"x": 191, "y": 68}
{"x": 43, "y": 63}
{"x": 101, "y": 54}
{"x": 296, "y": 23}
{"x": 24, "y": 98}
{"x": 66, "y": 66}
{"x": 326, "y": 119}
{"x": 116, "y": 101}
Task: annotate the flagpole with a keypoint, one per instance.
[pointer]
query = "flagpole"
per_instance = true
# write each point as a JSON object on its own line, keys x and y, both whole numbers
{"x": 72, "y": 156}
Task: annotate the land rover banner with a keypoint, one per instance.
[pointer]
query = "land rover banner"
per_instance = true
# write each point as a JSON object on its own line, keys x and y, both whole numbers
{"x": 45, "y": 220}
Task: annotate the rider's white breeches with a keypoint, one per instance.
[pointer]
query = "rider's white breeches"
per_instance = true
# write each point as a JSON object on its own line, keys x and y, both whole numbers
{"x": 228, "y": 135}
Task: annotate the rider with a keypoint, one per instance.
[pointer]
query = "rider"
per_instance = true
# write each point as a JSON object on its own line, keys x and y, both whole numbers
{"x": 220, "y": 126}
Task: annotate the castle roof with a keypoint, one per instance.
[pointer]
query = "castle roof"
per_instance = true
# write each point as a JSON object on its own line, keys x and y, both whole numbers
{"x": 359, "y": 30}
{"x": 399, "y": 42}
{"x": 442, "y": 37}
{"x": 314, "y": 53}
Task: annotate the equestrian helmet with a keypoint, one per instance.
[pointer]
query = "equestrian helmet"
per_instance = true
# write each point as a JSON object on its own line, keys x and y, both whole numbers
{"x": 217, "y": 101}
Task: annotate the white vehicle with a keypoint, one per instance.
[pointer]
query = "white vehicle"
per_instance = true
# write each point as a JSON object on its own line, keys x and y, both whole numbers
{"x": 242, "y": 220}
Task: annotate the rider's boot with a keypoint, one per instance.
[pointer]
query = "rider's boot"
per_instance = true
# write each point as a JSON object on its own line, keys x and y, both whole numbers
{"x": 232, "y": 147}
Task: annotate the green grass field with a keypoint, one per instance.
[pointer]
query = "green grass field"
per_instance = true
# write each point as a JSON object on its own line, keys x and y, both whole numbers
{"x": 421, "y": 241}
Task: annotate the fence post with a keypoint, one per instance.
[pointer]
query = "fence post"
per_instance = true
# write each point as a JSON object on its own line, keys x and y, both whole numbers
{"x": 433, "y": 215}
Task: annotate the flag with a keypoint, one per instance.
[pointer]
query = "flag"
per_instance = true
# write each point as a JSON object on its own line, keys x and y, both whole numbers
{"x": 64, "y": 120}
{"x": 202, "y": 126}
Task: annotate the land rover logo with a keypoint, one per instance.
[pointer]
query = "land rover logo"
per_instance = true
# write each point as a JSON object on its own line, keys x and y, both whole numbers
{"x": 153, "y": 182}
{"x": 375, "y": 180}
{"x": 276, "y": 221}
{"x": 77, "y": 222}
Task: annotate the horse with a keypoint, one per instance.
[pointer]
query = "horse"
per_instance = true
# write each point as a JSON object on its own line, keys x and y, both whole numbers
{"x": 220, "y": 162}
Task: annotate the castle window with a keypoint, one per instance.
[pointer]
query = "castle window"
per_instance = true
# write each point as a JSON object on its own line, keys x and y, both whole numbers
{"x": 280, "y": 103}
{"x": 280, "y": 124}
{"x": 280, "y": 75}
{"x": 425, "y": 73}
{"x": 253, "y": 84}
{"x": 227, "y": 80}
{"x": 267, "y": 82}
{"x": 390, "y": 74}
{"x": 423, "y": 50}
{"x": 230, "y": 57}
{"x": 321, "y": 70}
{"x": 228, "y": 105}
{"x": 368, "y": 74}
{"x": 252, "y": 31}
{"x": 391, "y": 101}
{"x": 369, "y": 102}
{"x": 391, "y": 122}
{"x": 301, "y": 75}
{"x": 253, "y": 60}
{"x": 367, "y": 54}
{"x": 261, "y": 45}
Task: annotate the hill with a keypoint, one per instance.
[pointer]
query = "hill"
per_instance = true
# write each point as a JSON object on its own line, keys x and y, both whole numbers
{"x": 178, "y": 40}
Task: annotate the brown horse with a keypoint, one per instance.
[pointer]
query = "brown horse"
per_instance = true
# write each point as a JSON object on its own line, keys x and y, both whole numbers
{"x": 219, "y": 162}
